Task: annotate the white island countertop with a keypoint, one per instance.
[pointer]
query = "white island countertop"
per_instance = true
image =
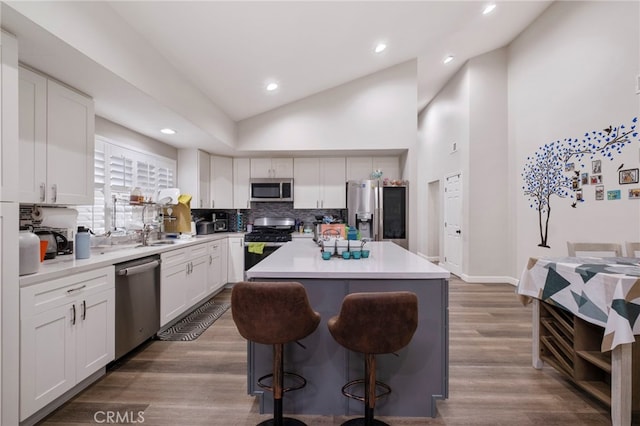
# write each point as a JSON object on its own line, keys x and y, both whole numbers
{"x": 387, "y": 260}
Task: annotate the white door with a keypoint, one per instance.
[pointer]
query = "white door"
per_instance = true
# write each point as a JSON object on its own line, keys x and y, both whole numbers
{"x": 96, "y": 332}
{"x": 221, "y": 182}
{"x": 452, "y": 222}
{"x": 334, "y": 189}
{"x": 306, "y": 183}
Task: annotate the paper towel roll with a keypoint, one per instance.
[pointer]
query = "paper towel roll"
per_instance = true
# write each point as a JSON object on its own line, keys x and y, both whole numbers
{"x": 56, "y": 217}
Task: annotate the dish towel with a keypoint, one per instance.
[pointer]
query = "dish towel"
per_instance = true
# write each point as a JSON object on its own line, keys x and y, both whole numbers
{"x": 256, "y": 248}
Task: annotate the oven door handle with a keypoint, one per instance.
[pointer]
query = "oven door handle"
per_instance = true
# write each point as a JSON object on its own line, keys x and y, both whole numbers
{"x": 138, "y": 269}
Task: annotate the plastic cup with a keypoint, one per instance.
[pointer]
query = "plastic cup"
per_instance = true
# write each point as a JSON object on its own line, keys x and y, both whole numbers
{"x": 326, "y": 255}
{"x": 356, "y": 254}
{"x": 43, "y": 249}
{"x": 365, "y": 253}
{"x": 346, "y": 254}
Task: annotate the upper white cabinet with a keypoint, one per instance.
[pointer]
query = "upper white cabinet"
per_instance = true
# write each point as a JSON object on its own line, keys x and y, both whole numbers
{"x": 319, "y": 183}
{"x": 361, "y": 167}
{"x": 241, "y": 176}
{"x": 194, "y": 176}
{"x": 8, "y": 117}
{"x": 221, "y": 170}
{"x": 56, "y": 128}
{"x": 272, "y": 167}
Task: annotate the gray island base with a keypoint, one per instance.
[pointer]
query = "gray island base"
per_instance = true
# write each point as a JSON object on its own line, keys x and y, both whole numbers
{"x": 417, "y": 374}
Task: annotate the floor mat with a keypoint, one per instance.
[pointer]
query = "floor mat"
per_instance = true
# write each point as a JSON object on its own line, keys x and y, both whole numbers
{"x": 194, "y": 324}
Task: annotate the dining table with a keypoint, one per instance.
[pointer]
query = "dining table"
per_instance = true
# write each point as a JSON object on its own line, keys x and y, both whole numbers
{"x": 604, "y": 291}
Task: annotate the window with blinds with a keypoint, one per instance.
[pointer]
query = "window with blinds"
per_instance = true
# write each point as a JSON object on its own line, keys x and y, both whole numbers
{"x": 118, "y": 171}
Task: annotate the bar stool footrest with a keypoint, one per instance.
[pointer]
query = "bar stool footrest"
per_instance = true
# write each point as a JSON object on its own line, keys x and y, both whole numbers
{"x": 361, "y": 421}
{"x": 286, "y": 421}
{"x": 345, "y": 390}
{"x": 300, "y": 382}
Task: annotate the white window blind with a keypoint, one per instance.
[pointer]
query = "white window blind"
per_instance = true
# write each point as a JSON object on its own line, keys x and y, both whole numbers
{"x": 118, "y": 171}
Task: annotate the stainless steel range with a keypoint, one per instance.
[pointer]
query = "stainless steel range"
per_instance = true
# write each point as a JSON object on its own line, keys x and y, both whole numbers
{"x": 269, "y": 234}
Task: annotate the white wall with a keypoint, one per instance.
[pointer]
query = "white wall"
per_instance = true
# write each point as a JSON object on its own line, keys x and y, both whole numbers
{"x": 573, "y": 71}
{"x": 130, "y": 139}
{"x": 444, "y": 121}
{"x": 373, "y": 112}
{"x": 485, "y": 183}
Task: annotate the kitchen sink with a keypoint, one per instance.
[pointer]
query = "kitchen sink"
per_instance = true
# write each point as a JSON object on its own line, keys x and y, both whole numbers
{"x": 158, "y": 243}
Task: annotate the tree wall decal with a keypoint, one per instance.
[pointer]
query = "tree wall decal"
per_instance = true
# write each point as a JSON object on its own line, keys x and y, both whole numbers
{"x": 545, "y": 172}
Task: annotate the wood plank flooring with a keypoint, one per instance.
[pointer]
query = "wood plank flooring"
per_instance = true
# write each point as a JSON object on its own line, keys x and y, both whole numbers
{"x": 204, "y": 382}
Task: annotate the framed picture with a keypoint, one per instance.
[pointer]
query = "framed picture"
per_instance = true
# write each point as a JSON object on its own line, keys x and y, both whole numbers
{"x": 579, "y": 195}
{"x": 613, "y": 195}
{"x": 596, "y": 179}
{"x": 575, "y": 183}
{"x": 596, "y": 167}
{"x": 634, "y": 194}
{"x": 585, "y": 178}
{"x": 628, "y": 176}
{"x": 600, "y": 192}
{"x": 569, "y": 167}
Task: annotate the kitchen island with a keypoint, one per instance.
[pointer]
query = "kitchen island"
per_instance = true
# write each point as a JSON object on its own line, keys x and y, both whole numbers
{"x": 418, "y": 375}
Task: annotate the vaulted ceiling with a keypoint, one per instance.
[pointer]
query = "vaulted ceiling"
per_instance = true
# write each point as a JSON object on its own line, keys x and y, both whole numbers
{"x": 216, "y": 57}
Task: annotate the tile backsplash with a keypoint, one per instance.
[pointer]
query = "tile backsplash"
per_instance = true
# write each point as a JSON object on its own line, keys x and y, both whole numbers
{"x": 266, "y": 209}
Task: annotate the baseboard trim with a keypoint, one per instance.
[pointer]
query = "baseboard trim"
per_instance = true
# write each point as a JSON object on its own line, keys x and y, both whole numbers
{"x": 488, "y": 279}
{"x": 429, "y": 258}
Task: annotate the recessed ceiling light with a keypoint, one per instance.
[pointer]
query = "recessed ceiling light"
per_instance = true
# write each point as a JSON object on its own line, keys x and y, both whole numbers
{"x": 448, "y": 59}
{"x": 489, "y": 8}
{"x": 271, "y": 87}
{"x": 168, "y": 131}
{"x": 380, "y": 47}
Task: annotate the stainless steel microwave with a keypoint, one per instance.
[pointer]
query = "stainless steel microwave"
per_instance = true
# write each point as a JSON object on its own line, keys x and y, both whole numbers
{"x": 271, "y": 189}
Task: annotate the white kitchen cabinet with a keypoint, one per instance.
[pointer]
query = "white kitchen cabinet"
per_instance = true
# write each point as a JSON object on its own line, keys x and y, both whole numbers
{"x": 241, "y": 176}
{"x": 221, "y": 170}
{"x": 359, "y": 168}
{"x": 235, "y": 268}
{"x": 194, "y": 176}
{"x": 183, "y": 280}
{"x": 271, "y": 167}
{"x": 319, "y": 183}
{"x": 216, "y": 275}
{"x": 56, "y": 128}
{"x": 8, "y": 117}
{"x": 67, "y": 333}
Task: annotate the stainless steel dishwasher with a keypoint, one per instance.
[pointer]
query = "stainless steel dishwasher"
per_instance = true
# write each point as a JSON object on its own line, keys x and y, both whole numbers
{"x": 137, "y": 302}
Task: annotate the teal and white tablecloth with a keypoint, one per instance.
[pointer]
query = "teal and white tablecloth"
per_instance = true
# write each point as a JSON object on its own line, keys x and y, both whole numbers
{"x": 602, "y": 291}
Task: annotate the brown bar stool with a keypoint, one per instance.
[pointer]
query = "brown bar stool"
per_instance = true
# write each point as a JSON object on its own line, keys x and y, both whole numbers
{"x": 374, "y": 323}
{"x": 274, "y": 313}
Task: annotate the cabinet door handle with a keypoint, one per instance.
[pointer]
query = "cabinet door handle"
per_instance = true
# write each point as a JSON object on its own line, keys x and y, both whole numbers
{"x": 84, "y": 310}
{"x": 213, "y": 204}
{"x": 43, "y": 192}
{"x": 73, "y": 290}
{"x": 73, "y": 318}
{"x": 54, "y": 193}
{"x": 210, "y": 259}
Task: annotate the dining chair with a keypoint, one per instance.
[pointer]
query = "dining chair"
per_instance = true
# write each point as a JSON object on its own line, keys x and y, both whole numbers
{"x": 594, "y": 249}
{"x": 633, "y": 249}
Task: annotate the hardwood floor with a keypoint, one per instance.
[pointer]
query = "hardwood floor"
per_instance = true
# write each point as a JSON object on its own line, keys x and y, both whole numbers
{"x": 204, "y": 382}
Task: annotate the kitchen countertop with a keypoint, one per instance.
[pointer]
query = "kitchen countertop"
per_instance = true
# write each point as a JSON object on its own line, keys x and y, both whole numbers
{"x": 67, "y": 264}
{"x": 387, "y": 260}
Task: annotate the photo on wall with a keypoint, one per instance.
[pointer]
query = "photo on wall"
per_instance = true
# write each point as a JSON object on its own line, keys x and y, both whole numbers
{"x": 596, "y": 167}
{"x": 628, "y": 176}
{"x": 600, "y": 192}
{"x": 634, "y": 194}
{"x": 585, "y": 178}
{"x": 596, "y": 179}
{"x": 613, "y": 195}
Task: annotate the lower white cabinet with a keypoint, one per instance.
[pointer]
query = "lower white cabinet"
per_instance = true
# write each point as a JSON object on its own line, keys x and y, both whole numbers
{"x": 217, "y": 271}
{"x": 67, "y": 330}
{"x": 235, "y": 271}
{"x": 186, "y": 279}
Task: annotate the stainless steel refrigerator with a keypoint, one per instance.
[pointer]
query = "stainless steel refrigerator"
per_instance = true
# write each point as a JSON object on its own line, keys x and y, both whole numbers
{"x": 378, "y": 212}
